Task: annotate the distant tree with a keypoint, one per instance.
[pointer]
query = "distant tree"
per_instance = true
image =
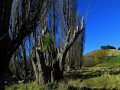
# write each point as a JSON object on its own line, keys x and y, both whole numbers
{"x": 119, "y": 48}
{"x": 108, "y": 47}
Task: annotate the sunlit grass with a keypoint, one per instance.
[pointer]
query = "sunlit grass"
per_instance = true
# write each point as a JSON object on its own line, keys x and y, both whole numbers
{"x": 112, "y": 62}
{"x": 28, "y": 86}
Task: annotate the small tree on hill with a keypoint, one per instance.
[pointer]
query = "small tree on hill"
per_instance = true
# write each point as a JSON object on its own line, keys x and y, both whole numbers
{"x": 119, "y": 48}
{"x": 108, "y": 47}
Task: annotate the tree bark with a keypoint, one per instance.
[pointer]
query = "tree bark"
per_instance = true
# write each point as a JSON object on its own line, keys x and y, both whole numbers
{"x": 25, "y": 60}
{"x": 35, "y": 70}
{"x": 45, "y": 73}
{"x": 56, "y": 73}
{"x": 42, "y": 71}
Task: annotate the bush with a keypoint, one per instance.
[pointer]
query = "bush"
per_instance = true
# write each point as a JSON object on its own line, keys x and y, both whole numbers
{"x": 99, "y": 56}
{"x": 108, "y": 47}
{"x": 88, "y": 61}
{"x": 119, "y": 48}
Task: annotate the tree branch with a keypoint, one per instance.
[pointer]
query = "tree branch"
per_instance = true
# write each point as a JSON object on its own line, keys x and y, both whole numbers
{"x": 24, "y": 31}
{"x": 69, "y": 43}
{"x": 75, "y": 36}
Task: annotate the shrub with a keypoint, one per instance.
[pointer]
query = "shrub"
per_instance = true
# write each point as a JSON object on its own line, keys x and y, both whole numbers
{"x": 119, "y": 48}
{"x": 88, "y": 61}
{"x": 99, "y": 56}
{"x": 108, "y": 47}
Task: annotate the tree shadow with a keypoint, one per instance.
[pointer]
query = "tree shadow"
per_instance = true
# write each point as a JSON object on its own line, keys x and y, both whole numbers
{"x": 88, "y": 74}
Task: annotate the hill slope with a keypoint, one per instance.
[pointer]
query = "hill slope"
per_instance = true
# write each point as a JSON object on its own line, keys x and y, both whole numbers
{"x": 110, "y": 52}
{"x": 113, "y": 57}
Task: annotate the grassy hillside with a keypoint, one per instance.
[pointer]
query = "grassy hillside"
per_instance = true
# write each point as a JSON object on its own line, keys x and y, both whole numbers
{"x": 110, "y": 52}
{"x": 111, "y": 62}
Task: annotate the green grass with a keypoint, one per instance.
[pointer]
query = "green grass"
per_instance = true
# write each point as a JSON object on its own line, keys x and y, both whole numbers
{"x": 103, "y": 82}
{"x": 110, "y": 52}
{"x": 113, "y": 58}
{"x": 96, "y": 78}
{"x": 113, "y": 52}
{"x": 111, "y": 62}
{"x": 28, "y": 86}
{"x": 86, "y": 78}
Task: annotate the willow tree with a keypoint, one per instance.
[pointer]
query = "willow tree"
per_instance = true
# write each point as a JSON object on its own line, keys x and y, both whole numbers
{"x": 69, "y": 33}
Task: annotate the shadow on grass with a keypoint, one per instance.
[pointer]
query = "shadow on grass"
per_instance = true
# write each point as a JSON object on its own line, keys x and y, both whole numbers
{"x": 86, "y": 88}
{"x": 89, "y": 74}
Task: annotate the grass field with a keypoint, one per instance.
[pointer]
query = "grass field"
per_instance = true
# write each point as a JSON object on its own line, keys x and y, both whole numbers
{"x": 103, "y": 76}
{"x": 112, "y": 62}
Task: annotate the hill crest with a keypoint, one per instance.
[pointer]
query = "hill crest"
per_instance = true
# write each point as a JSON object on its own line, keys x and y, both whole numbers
{"x": 110, "y": 52}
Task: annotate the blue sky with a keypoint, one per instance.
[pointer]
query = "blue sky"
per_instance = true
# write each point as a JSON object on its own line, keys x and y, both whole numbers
{"x": 103, "y": 23}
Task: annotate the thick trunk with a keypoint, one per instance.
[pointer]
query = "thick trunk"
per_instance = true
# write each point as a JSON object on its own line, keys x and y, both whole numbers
{"x": 68, "y": 67}
{"x": 35, "y": 70}
{"x": 68, "y": 57}
{"x": 56, "y": 73}
{"x": 3, "y": 69}
{"x": 42, "y": 71}
{"x": 57, "y": 67}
